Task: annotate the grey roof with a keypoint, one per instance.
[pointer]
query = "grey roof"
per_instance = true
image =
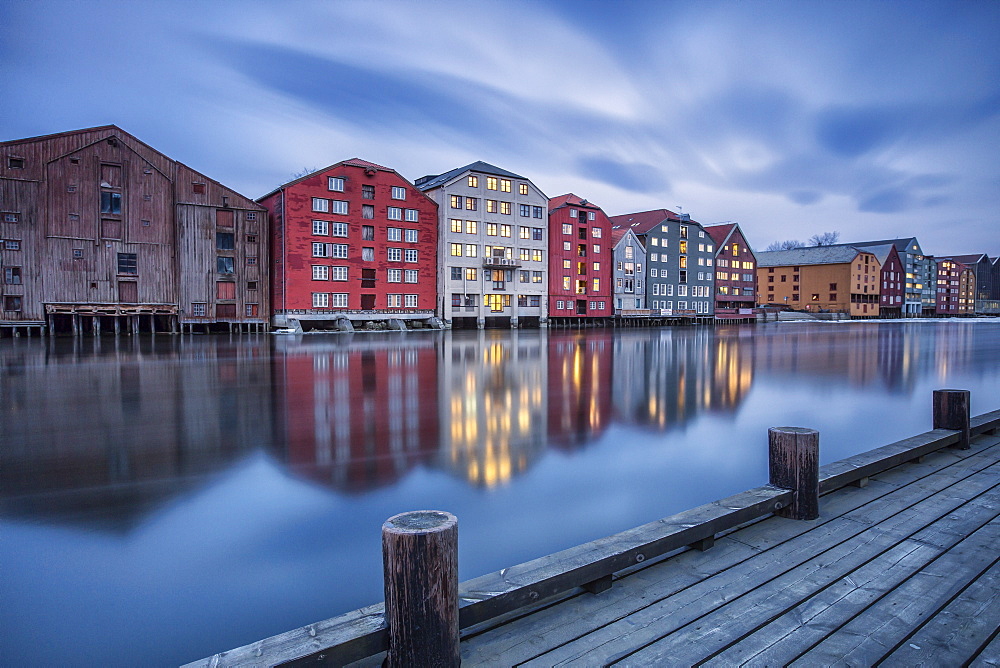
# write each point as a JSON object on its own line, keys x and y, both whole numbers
{"x": 881, "y": 251}
{"x": 902, "y": 245}
{"x": 430, "y": 181}
{"x": 808, "y": 255}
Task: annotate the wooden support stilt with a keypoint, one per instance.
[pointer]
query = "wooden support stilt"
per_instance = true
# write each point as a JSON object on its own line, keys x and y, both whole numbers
{"x": 118, "y": 325}
{"x": 420, "y": 564}
{"x": 951, "y": 411}
{"x": 793, "y": 463}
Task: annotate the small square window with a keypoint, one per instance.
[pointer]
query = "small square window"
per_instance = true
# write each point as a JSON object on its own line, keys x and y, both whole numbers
{"x": 15, "y": 163}
{"x": 198, "y": 188}
{"x": 12, "y": 302}
{"x": 77, "y": 253}
{"x": 251, "y": 215}
{"x": 251, "y": 286}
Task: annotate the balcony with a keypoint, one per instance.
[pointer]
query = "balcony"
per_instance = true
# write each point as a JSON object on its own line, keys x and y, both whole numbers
{"x": 508, "y": 263}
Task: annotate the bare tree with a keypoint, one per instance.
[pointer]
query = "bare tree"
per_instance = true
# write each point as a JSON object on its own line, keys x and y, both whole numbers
{"x": 305, "y": 171}
{"x": 789, "y": 244}
{"x": 824, "y": 239}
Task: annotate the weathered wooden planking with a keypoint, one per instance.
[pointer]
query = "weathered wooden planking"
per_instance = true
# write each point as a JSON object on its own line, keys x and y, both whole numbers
{"x": 988, "y": 657}
{"x": 865, "y": 638}
{"x": 957, "y": 632}
{"x": 830, "y": 593}
{"x": 511, "y": 588}
{"x": 984, "y": 423}
{"x": 838, "y": 474}
{"x": 557, "y": 628}
{"x": 838, "y": 540}
{"x": 336, "y": 641}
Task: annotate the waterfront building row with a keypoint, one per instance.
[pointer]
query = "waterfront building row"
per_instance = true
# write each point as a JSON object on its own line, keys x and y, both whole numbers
{"x": 100, "y": 232}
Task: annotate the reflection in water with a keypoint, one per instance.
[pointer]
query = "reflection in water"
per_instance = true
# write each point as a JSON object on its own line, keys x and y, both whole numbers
{"x": 285, "y": 453}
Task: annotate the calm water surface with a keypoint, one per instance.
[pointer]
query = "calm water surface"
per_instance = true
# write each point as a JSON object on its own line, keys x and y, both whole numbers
{"x": 164, "y": 499}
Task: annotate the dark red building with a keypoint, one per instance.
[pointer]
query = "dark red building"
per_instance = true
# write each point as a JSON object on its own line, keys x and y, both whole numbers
{"x": 354, "y": 243}
{"x": 893, "y": 281}
{"x": 735, "y": 272}
{"x": 956, "y": 288}
{"x": 580, "y": 259}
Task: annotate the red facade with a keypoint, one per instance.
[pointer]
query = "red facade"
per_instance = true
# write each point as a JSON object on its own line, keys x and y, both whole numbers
{"x": 352, "y": 237}
{"x": 893, "y": 282}
{"x": 580, "y": 259}
{"x": 955, "y": 288}
{"x": 735, "y": 272}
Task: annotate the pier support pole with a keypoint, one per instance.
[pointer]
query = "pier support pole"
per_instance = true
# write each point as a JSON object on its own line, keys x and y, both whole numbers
{"x": 420, "y": 566}
{"x": 793, "y": 463}
{"x": 951, "y": 411}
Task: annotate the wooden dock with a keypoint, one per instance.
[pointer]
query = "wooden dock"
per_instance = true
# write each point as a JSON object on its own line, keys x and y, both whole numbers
{"x": 901, "y": 567}
{"x": 905, "y": 571}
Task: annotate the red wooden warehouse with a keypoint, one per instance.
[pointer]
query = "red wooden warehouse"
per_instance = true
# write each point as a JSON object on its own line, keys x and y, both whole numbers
{"x": 353, "y": 245}
{"x": 580, "y": 258}
{"x": 735, "y": 273}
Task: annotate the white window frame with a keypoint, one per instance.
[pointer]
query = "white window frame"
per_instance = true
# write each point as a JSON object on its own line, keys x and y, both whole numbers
{"x": 335, "y": 183}
{"x": 321, "y": 204}
{"x": 410, "y": 276}
{"x": 394, "y": 276}
{"x": 320, "y": 272}
{"x": 321, "y": 228}
{"x": 338, "y": 229}
{"x": 338, "y": 300}
{"x": 339, "y": 206}
{"x": 410, "y": 301}
{"x": 398, "y": 192}
{"x": 411, "y": 236}
{"x": 321, "y": 300}
{"x": 338, "y": 273}
{"x": 394, "y": 254}
{"x": 394, "y": 213}
{"x": 412, "y": 216}
{"x": 410, "y": 255}
{"x": 394, "y": 234}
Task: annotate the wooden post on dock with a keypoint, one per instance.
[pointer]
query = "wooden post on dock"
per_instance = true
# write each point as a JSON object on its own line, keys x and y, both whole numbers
{"x": 793, "y": 463}
{"x": 951, "y": 411}
{"x": 420, "y": 566}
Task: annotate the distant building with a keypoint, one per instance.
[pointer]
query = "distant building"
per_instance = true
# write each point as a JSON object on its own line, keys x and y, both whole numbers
{"x": 987, "y": 281}
{"x": 956, "y": 288}
{"x": 735, "y": 272}
{"x": 353, "y": 244}
{"x": 629, "y": 275}
{"x": 580, "y": 259}
{"x": 919, "y": 278}
{"x": 492, "y": 246}
{"x": 679, "y": 261}
{"x": 820, "y": 278}
{"x": 101, "y": 233}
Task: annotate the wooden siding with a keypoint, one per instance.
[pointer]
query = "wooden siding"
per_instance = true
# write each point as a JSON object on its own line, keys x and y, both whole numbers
{"x": 558, "y": 217}
{"x": 21, "y": 199}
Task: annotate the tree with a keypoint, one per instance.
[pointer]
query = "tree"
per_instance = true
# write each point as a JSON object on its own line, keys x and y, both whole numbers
{"x": 824, "y": 239}
{"x": 785, "y": 245}
{"x": 305, "y": 171}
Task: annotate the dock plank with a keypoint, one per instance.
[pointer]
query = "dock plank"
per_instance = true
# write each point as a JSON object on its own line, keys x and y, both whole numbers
{"x": 834, "y": 585}
{"x": 611, "y": 641}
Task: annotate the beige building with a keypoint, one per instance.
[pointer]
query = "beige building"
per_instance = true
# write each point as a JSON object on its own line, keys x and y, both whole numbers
{"x": 839, "y": 279}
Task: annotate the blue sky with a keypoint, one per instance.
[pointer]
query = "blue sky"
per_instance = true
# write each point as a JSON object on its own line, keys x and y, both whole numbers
{"x": 875, "y": 119}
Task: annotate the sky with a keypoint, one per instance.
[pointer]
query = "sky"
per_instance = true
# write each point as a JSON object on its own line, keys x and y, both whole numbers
{"x": 876, "y": 120}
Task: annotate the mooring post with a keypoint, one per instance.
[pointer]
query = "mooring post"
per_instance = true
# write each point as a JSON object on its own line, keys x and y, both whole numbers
{"x": 793, "y": 463}
{"x": 420, "y": 566}
{"x": 951, "y": 411}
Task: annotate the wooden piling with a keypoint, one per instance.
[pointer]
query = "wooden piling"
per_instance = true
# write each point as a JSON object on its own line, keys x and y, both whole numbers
{"x": 420, "y": 566}
{"x": 951, "y": 411}
{"x": 793, "y": 463}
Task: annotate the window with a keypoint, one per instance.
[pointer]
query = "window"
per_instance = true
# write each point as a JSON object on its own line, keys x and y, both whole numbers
{"x": 491, "y": 206}
{"x": 524, "y": 232}
{"x": 582, "y": 233}
{"x": 335, "y": 183}
{"x": 536, "y": 277}
{"x": 491, "y": 183}
{"x": 15, "y": 244}
{"x": 398, "y": 192}
{"x": 367, "y": 232}
{"x": 505, "y": 230}
{"x": 505, "y": 185}
{"x": 536, "y": 254}
{"x": 320, "y": 272}
{"x": 394, "y": 213}
{"x": 456, "y": 201}
{"x": 522, "y": 188}
{"x": 471, "y": 203}
{"x": 394, "y": 301}
{"x": 225, "y": 241}
{"x": 566, "y": 282}
{"x": 368, "y": 211}
{"x": 223, "y": 264}
{"x": 410, "y": 301}
{"x": 471, "y": 274}
{"x": 410, "y": 254}
{"x": 321, "y": 300}
{"x": 525, "y": 255}
{"x": 524, "y": 276}
{"x": 11, "y": 217}
{"x": 338, "y": 273}
{"x": 337, "y": 250}
{"x": 595, "y": 232}
{"x": 597, "y": 249}
{"x": 251, "y": 310}
{"x": 128, "y": 264}
{"x": 251, "y": 260}
{"x": 654, "y": 241}
{"x": 251, "y": 238}
{"x": 12, "y": 275}
{"x": 473, "y": 181}
{"x": 367, "y": 192}
{"x": 471, "y": 250}
{"x": 567, "y": 246}
{"x": 321, "y": 228}
{"x": 597, "y": 284}
{"x": 573, "y": 213}
{"x": 560, "y": 304}
{"x": 338, "y": 300}
{"x": 524, "y": 210}
{"x": 395, "y": 276}
{"x": 411, "y": 236}
{"x": 567, "y": 228}
{"x": 251, "y": 286}
{"x": 684, "y": 232}
{"x": 199, "y": 309}
{"x": 536, "y": 233}
{"x": 456, "y": 225}
{"x": 394, "y": 234}
{"x": 590, "y": 215}
{"x": 412, "y": 215}
{"x": 505, "y": 208}
{"x": 456, "y": 250}
{"x": 536, "y": 212}
{"x": 111, "y": 202}
{"x": 683, "y": 276}
{"x": 471, "y": 227}
{"x": 320, "y": 204}
{"x": 15, "y": 163}
{"x": 394, "y": 254}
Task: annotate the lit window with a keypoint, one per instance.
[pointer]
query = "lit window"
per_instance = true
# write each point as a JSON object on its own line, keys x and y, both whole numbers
{"x": 473, "y": 181}
{"x": 456, "y": 225}
{"x": 522, "y": 188}
{"x": 505, "y": 185}
{"x": 567, "y": 228}
{"x": 491, "y": 183}
{"x": 456, "y": 201}
{"x": 456, "y": 250}
{"x": 491, "y": 206}
{"x": 471, "y": 203}
{"x": 471, "y": 227}
{"x": 471, "y": 250}
{"x": 505, "y": 208}
{"x": 595, "y": 232}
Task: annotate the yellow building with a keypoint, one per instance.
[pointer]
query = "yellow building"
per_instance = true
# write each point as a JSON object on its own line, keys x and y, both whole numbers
{"x": 839, "y": 279}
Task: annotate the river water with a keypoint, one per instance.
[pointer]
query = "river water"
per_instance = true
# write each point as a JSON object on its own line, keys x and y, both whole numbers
{"x": 163, "y": 499}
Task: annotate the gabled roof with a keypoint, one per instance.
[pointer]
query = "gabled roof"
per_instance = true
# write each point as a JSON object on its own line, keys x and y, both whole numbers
{"x": 902, "y": 245}
{"x": 809, "y": 255}
{"x": 643, "y": 221}
{"x": 617, "y": 233}
{"x": 352, "y": 162}
{"x": 569, "y": 199}
{"x": 720, "y": 233}
{"x": 431, "y": 181}
{"x": 972, "y": 258}
{"x": 881, "y": 251}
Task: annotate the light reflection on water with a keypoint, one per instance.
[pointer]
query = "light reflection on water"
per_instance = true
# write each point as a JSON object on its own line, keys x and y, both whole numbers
{"x": 161, "y": 500}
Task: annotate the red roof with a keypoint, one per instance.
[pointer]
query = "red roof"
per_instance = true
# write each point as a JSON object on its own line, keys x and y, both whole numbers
{"x": 571, "y": 200}
{"x": 720, "y": 233}
{"x": 643, "y": 221}
{"x": 358, "y": 162}
{"x": 617, "y": 233}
